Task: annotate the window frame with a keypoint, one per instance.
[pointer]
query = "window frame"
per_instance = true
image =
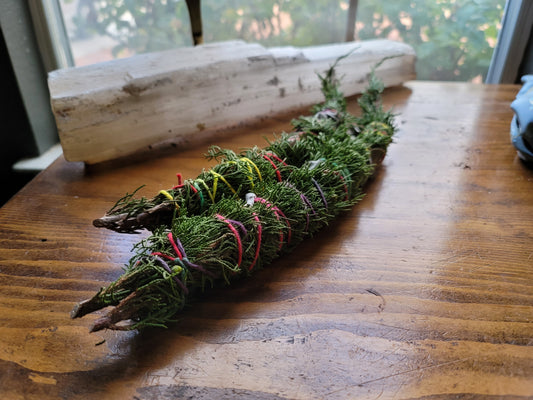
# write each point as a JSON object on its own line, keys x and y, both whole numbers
{"x": 512, "y": 43}
{"x": 45, "y": 46}
{"x": 19, "y": 33}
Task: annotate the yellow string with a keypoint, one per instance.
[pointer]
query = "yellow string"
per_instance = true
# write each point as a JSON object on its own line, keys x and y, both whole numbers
{"x": 207, "y": 188}
{"x": 217, "y": 177}
{"x": 169, "y": 196}
{"x": 250, "y": 162}
{"x": 250, "y": 176}
{"x": 249, "y": 165}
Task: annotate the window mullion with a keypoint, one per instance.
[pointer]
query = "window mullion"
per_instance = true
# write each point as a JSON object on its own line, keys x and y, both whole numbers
{"x": 50, "y": 33}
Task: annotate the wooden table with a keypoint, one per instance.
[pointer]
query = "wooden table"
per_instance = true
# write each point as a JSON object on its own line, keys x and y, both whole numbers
{"x": 423, "y": 290}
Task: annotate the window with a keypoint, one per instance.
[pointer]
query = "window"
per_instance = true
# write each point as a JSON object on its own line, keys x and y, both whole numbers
{"x": 454, "y": 39}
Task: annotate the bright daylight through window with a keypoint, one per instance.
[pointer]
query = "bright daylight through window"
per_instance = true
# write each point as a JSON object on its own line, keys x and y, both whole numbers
{"x": 453, "y": 39}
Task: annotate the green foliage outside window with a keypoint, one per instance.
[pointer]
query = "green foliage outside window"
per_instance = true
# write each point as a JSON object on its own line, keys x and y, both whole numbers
{"x": 453, "y": 39}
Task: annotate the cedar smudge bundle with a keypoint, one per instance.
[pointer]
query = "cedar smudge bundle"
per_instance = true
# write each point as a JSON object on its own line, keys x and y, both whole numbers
{"x": 249, "y": 209}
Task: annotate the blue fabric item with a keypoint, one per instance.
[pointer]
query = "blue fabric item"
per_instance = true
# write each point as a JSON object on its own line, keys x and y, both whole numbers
{"x": 522, "y": 123}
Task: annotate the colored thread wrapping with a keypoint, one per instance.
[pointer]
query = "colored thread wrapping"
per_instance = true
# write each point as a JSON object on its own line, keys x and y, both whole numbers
{"x": 179, "y": 185}
{"x": 237, "y": 238}
{"x": 278, "y": 174}
{"x": 259, "y": 238}
{"x": 252, "y": 164}
{"x": 215, "y": 182}
{"x": 198, "y": 191}
{"x": 307, "y": 204}
{"x": 250, "y": 176}
{"x": 211, "y": 196}
{"x": 165, "y": 266}
{"x": 185, "y": 260}
{"x": 277, "y": 212}
{"x": 174, "y": 245}
{"x": 251, "y": 167}
{"x": 320, "y": 192}
{"x": 216, "y": 248}
{"x": 169, "y": 196}
{"x": 275, "y": 157}
{"x": 341, "y": 178}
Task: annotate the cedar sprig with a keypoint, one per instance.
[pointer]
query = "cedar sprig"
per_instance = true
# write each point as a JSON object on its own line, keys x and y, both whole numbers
{"x": 158, "y": 284}
{"x": 235, "y": 240}
{"x": 206, "y": 232}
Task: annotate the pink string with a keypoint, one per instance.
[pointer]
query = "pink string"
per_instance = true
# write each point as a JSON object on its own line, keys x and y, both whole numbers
{"x": 237, "y": 237}
{"x": 277, "y": 212}
{"x": 157, "y": 253}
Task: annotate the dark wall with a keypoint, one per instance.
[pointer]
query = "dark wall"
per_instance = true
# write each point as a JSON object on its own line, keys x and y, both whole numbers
{"x": 526, "y": 66}
{"x": 16, "y": 139}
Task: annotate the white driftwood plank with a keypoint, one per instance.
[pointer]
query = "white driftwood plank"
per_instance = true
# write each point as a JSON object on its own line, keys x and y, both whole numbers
{"x": 112, "y": 109}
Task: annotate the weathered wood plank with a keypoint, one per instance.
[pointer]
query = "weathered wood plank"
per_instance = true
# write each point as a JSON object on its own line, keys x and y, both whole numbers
{"x": 109, "y": 110}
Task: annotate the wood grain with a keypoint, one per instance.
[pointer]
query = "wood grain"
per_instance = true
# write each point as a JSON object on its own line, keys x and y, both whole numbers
{"x": 423, "y": 291}
{"x": 108, "y": 110}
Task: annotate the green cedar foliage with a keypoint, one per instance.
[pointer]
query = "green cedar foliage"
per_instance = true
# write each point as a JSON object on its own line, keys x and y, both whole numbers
{"x": 249, "y": 209}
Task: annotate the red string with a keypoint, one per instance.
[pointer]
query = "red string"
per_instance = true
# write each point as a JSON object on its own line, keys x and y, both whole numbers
{"x": 275, "y": 157}
{"x": 237, "y": 237}
{"x": 174, "y": 245}
{"x": 289, "y": 233}
{"x": 179, "y": 185}
{"x": 278, "y": 174}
